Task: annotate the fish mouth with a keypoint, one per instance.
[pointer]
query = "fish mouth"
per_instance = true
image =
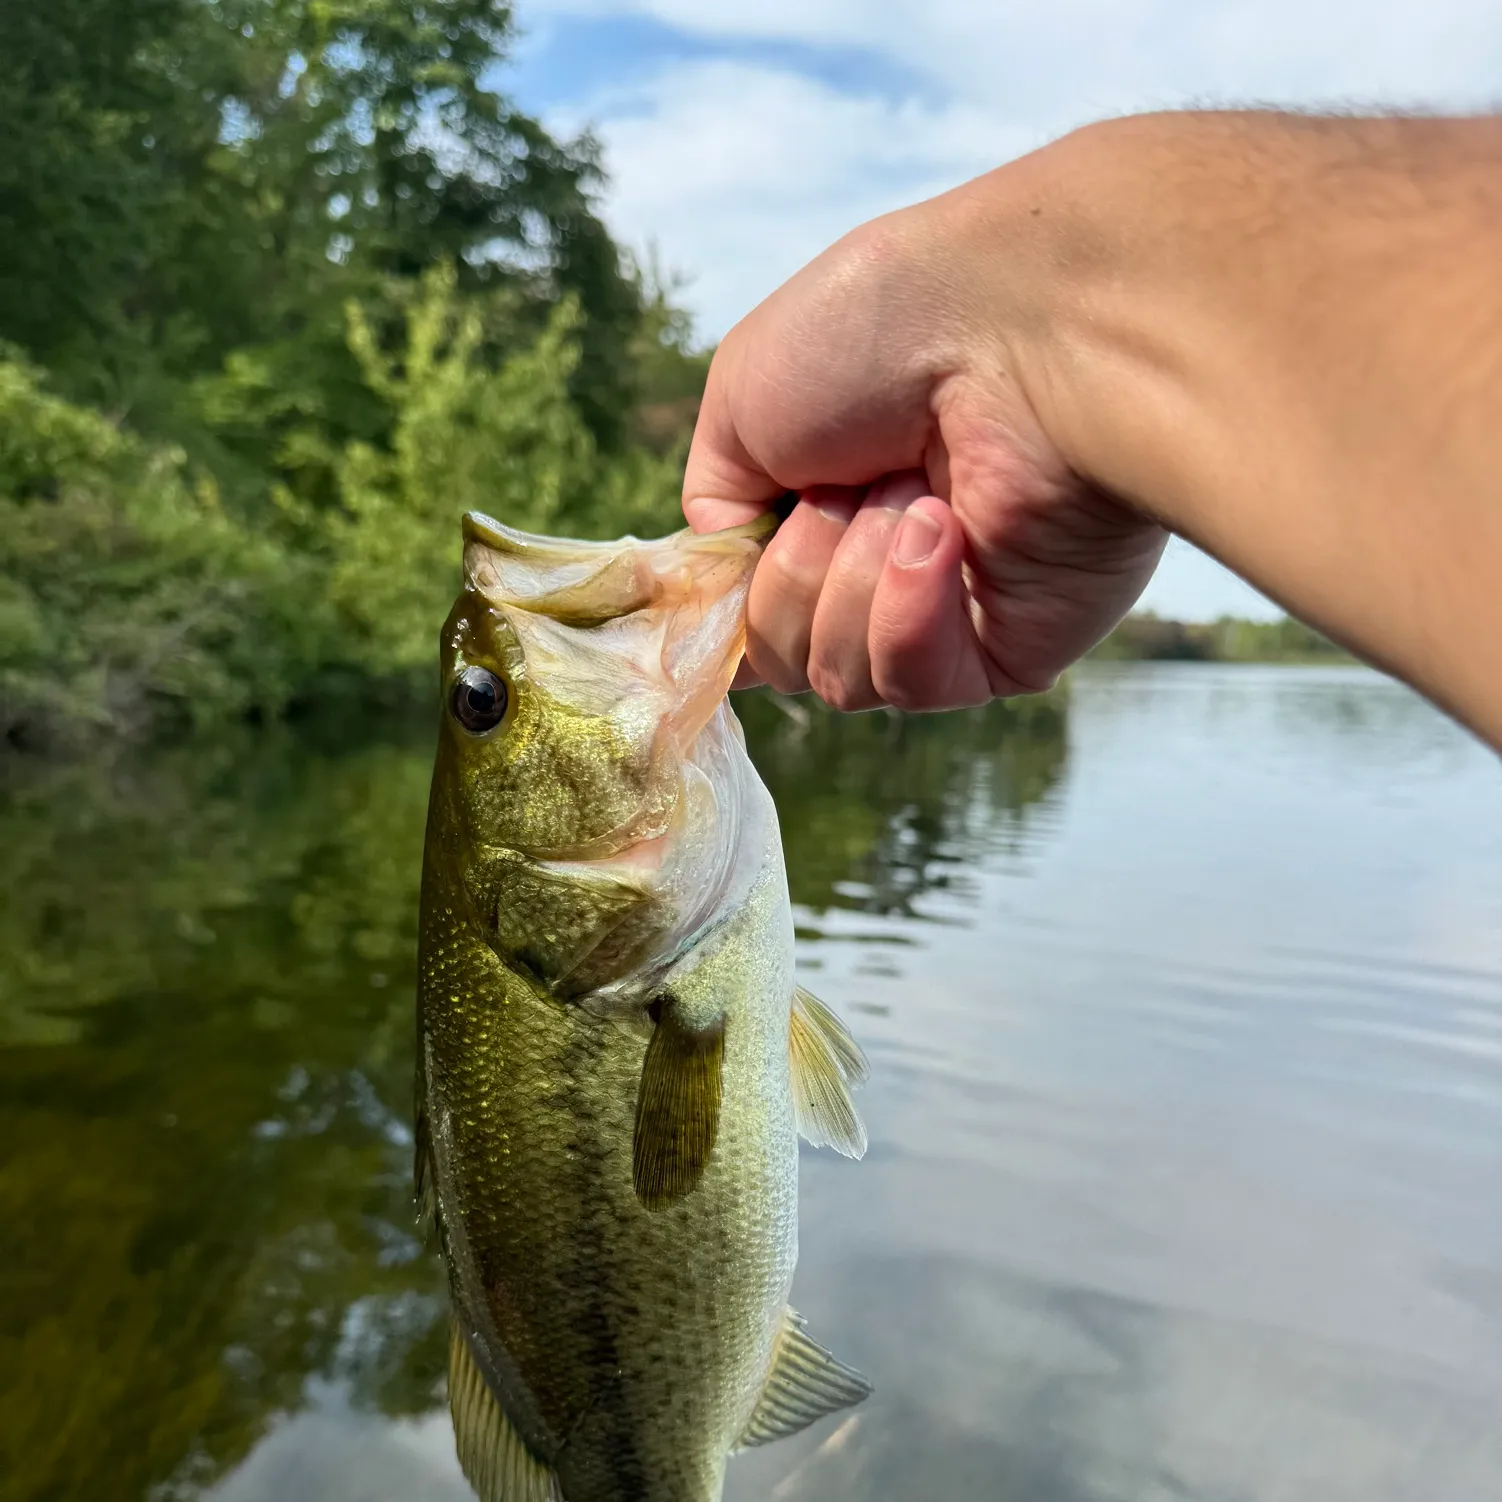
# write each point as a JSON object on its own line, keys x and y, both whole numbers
{"x": 641, "y": 640}
{"x": 582, "y": 583}
{"x": 659, "y": 623}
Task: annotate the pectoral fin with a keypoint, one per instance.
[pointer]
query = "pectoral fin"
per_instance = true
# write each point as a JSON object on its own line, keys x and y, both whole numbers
{"x": 491, "y": 1453}
{"x": 804, "y": 1383}
{"x": 825, "y": 1061}
{"x": 677, "y": 1109}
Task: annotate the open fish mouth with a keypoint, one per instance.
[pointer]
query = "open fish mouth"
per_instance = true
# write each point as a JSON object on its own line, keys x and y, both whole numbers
{"x": 589, "y": 583}
{"x": 617, "y": 629}
{"x": 652, "y": 823}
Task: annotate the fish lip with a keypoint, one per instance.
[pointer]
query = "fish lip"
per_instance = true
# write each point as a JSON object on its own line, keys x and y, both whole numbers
{"x": 621, "y": 577}
{"x": 476, "y": 526}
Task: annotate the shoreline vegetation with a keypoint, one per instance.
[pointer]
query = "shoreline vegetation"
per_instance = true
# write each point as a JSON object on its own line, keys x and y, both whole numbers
{"x": 288, "y": 287}
{"x": 1146, "y": 637}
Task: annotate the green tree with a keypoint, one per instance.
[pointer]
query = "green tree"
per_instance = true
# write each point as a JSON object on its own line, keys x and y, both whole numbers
{"x": 293, "y": 285}
{"x": 188, "y": 177}
{"x": 110, "y": 119}
{"x": 126, "y": 593}
{"x": 466, "y": 435}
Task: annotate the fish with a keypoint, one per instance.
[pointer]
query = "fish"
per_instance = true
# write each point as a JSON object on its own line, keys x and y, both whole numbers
{"x": 615, "y": 1059}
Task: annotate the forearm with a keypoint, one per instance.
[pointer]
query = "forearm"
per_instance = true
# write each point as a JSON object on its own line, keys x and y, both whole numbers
{"x": 1283, "y": 338}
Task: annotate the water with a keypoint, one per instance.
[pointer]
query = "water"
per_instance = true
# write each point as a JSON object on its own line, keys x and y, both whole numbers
{"x": 1184, "y": 1005}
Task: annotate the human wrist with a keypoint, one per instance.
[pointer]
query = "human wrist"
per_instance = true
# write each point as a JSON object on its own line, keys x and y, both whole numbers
{"x": 1277, "y": 336}
{"x": 1058, "y": 295}
{"x": 1147, "y": 275}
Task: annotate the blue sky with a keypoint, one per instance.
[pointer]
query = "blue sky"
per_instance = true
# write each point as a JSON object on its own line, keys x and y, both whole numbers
{"x": 742, "y": 136}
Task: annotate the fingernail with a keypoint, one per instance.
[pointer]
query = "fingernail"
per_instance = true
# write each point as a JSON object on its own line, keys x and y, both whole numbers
{"x": 916, "y": 539}
{"x": 836, "y": 503}
{"x": 834, "y": 511}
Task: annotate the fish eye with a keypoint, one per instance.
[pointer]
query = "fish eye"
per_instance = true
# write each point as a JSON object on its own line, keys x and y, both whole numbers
{"x": 479, "y": 700}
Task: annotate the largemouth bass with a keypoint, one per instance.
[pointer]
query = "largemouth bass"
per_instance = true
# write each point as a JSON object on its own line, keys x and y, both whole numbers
{"x": 614, "y": 1057}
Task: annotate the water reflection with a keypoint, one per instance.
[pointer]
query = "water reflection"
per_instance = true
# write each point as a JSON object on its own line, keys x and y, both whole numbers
{"x": 878, "y": 809}
{"x": 1186, "y": 1131}
{"x": 206, "y": 996}
{"x": 1185, "y": 1010}
{"x": 206, "y": 972}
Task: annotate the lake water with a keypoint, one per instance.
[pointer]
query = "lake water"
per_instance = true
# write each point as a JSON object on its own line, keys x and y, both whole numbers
{"x": 1183, "y": 999}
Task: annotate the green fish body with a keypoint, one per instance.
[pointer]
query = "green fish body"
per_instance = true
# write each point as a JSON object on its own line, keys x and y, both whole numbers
{"x": 614, "y": 1058}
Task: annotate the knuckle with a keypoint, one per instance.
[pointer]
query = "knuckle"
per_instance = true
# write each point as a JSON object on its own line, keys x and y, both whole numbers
{"x": 903, "y": 665}
{"x": 785, "y": 567}
{"x": 1015, "y": 680}
{"x": 838, "y": 689}
{"x": 776, "y": 669}
{"x": 824, "y": 683}
{"x": 905, "y": 695}
{"x": 783, "y": 677}
{"x": 827, "y": 684}
{"x": 727, "y": 353}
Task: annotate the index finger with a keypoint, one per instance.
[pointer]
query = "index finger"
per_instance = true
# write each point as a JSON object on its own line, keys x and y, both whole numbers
{"x": 708, "y": 513}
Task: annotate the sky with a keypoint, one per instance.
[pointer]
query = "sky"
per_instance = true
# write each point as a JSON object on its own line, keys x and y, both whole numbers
{"x": 743, "y": 136}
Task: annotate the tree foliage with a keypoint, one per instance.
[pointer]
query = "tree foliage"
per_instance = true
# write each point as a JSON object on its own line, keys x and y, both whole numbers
{"x": 1147, "y": 637}
{"x": 466, "y": 435}
{"x": 124, "y": 587}
{"x": 288, "y": 285}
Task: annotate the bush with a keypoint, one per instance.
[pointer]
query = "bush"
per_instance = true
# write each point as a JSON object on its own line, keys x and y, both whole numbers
{"x": 467, "y": 433}
{"x": 125, "y": 591}
{"x": 133, "y": 597}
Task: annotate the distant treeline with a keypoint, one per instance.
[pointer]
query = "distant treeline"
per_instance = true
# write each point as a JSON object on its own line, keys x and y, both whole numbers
{"x": 285, "y": 286}
{"x": 1148, "y": 638}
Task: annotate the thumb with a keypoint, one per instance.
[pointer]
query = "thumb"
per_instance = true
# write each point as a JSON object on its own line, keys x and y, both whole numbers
{"x": 923, "y": 648}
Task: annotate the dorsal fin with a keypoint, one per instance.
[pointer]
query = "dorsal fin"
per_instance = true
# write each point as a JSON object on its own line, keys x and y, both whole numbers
{"x": 491, "y": 1453}
{"x": 677, "y": 1108}
{"x": 824, "y": 1062}
{"x": 805, "y": 1382}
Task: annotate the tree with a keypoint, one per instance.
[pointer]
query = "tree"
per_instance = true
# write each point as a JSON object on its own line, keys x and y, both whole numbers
{"x": 290, "y": 284}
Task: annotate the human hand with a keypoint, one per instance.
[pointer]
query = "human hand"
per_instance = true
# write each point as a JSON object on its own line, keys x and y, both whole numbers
{"x": 994, "y": 403}
{"x": 943, "y": 550}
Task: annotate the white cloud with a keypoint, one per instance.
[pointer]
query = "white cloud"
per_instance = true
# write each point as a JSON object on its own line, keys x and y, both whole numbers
{"x": 740, "y": 174}
{"x": 1077, "y": 57}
